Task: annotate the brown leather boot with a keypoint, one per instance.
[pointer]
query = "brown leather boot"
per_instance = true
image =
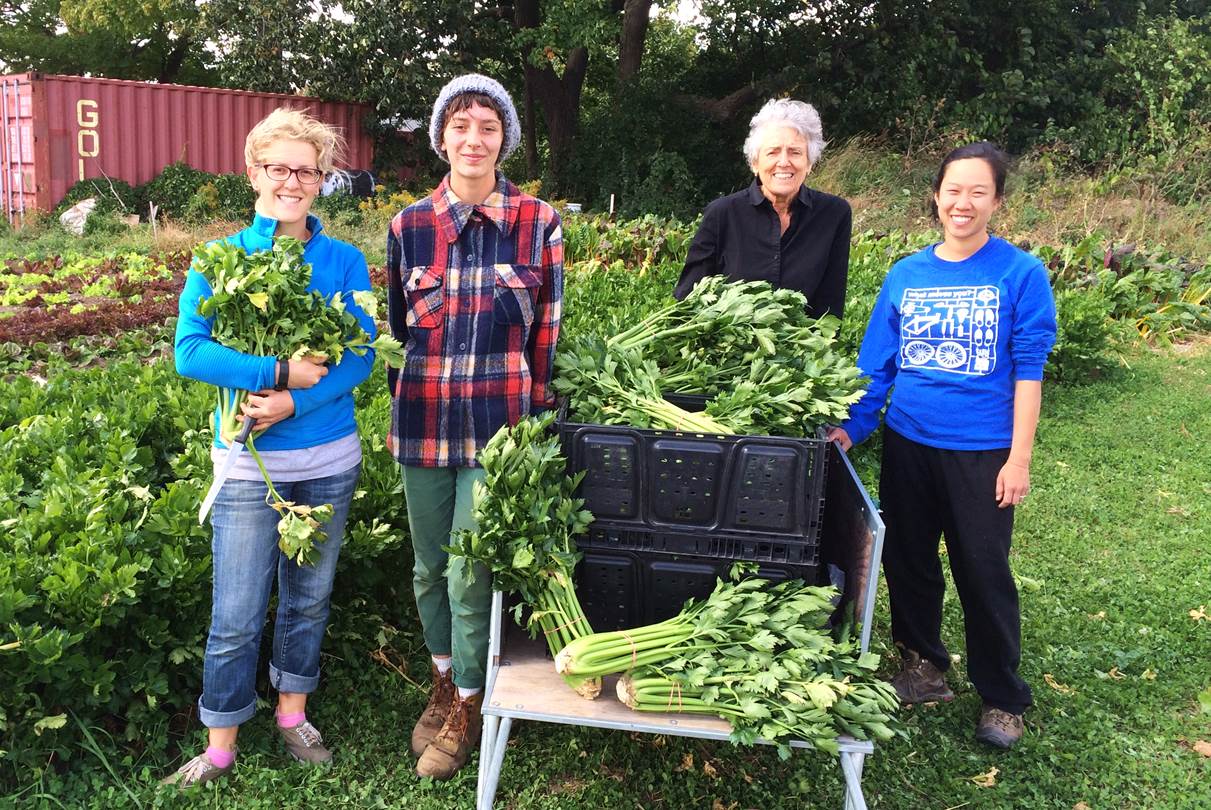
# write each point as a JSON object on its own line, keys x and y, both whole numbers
{"x": 441, "y": 696}
{"x": 919, "y": 681}
{"x": 457, "y": 739}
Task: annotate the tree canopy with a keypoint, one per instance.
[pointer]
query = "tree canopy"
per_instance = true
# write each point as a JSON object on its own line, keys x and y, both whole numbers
{"x": 627, "y": 97}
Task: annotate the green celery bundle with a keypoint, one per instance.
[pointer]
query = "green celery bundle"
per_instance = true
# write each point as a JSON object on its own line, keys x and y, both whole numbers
{"x": 765, "y": 366}
{"x": 261, "y": 305}
{"x": 527, "y": 520}
{"x": 755, "y": 654}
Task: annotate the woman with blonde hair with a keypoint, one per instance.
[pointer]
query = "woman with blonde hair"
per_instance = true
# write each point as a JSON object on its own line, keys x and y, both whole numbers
{"x": 310, "y": 449}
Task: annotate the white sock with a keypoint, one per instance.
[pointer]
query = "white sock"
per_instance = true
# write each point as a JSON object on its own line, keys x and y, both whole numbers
{"x": 443, "y": 664}
{"x": 464, "y": 693}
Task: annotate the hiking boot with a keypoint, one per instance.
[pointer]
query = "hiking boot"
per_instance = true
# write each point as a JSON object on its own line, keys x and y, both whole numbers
{"x": 305, "y": 744}
{"x": 998, "y": 727}
{"x": 919, "y": 681}
{"x": 454, "y": 742}
{"x": 197, "y": 771}
{"x": 441, "y": 696}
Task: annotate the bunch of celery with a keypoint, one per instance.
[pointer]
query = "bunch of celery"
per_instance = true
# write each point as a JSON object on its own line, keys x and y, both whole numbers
{"x": 766, "y": 367}
{"x": 261, "y": 305}
{"x": 526, "y": 521}
{"x": 757, "y": 655}
{"x": 609, "y": 385}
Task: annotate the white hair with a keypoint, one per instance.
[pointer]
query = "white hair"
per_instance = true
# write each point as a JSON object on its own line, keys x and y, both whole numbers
{"x": 786, "y": 112}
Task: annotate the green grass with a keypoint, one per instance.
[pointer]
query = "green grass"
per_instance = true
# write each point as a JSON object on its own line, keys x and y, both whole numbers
{"x": 1112, "y": 552}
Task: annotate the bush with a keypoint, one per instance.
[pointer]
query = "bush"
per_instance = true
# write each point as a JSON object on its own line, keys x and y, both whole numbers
{"x": 236, "y": 199}
{"x": 112, "y": 196}
{"x": 104, "y": 223}
{"x": 1085, "y": 336}
{"x": 173, "y": 189}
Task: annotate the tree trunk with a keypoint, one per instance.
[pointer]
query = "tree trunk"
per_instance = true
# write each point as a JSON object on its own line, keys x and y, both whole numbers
{"x": 559, "y": 97}
{"x": 635, "y": 17}
{"x": 170, "y": 65}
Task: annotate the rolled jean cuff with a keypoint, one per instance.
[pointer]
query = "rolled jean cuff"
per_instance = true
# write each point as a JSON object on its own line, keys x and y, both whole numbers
{"x": 289, "y": 682}
{"x": 226, "y": 719}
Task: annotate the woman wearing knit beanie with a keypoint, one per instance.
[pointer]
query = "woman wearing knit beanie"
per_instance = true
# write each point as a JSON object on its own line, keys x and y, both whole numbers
{"x": 475, "y": 282}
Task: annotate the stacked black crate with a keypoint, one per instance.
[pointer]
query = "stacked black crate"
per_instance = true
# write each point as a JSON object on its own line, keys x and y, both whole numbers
{"x": 674, "y": 511}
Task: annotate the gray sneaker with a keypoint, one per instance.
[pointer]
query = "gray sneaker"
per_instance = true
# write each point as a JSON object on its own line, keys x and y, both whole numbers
{"x": 197, "y": 771}
{"x": 305, "y": 744}
{"x": 919, "y": 681}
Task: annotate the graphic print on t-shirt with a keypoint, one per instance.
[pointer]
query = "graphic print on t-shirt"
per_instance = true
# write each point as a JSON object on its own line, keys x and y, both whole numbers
{"x": 950, "y": 329}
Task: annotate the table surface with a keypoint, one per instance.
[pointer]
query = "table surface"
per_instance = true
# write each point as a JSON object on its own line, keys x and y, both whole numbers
{"x": 528, "y": 687}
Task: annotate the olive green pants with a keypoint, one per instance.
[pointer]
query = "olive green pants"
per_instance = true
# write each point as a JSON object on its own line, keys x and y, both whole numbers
{"x": 454, "y": 613}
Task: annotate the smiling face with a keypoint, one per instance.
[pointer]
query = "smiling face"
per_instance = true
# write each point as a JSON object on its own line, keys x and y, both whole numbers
{"x": 471, "y": 139}
{"x": 966, "y": 200}
{"x": 782, "y": 163}
{"x": 288, "y": 201}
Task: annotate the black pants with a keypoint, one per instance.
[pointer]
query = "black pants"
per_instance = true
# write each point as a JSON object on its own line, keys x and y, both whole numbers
{"x": 925, "y": 493}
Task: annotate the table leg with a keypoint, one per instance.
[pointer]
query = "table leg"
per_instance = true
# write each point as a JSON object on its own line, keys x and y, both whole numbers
{"x": 851, "y": 766}
{"x": 492, "y": 760}
{"x": 486, "y": 748}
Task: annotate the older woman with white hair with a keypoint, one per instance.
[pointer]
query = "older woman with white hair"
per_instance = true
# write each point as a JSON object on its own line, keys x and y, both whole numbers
{"x": 777, "y": 230}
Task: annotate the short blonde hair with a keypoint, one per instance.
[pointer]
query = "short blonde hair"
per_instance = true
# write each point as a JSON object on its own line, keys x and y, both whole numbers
{"x": 286, "y": 124}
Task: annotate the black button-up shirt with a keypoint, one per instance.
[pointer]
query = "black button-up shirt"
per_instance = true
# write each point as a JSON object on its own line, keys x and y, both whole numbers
{"x": 740, "y": 237}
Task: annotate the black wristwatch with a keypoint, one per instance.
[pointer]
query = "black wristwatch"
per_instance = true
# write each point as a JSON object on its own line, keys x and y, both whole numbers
{"x": 283, "y": 375}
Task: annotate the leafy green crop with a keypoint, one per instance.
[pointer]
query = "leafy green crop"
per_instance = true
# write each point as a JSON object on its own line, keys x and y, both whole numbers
{"x": 261, "y": 306}
{"x": 765, "y": 365}
{"x": 755, "y": 654}
{"x": 526, "y": 522}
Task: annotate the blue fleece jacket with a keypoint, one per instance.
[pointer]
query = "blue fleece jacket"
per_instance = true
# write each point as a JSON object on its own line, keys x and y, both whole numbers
{"x": 950, "y": 339}
{"x": 322, "y": 413}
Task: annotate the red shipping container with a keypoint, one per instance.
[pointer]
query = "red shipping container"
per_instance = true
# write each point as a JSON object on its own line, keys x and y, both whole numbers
{"x": 57, "y": 130}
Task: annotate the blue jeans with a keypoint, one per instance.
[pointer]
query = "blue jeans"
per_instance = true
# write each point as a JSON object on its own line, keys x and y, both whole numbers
{"x": 246, "y": 559}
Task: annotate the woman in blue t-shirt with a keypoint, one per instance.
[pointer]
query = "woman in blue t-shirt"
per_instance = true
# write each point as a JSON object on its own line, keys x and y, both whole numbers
{"x": 959, "y": 335}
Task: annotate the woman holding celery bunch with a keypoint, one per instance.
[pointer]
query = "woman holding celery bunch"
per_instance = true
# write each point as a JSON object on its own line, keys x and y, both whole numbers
{"x": 306, "y": 439}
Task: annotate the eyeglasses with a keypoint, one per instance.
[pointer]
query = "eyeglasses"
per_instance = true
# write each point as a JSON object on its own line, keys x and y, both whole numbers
{"x": 306, "y": 175}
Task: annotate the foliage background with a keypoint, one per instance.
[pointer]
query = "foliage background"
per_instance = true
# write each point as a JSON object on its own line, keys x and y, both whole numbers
{"x": 637, "y": 99}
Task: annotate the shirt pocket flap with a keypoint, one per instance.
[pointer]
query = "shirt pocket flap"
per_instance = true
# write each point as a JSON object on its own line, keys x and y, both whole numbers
{"x": 423, "y": 277}
{"x": 518, "y": 276}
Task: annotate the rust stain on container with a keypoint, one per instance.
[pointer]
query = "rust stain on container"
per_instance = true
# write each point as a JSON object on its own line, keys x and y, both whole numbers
{"x": 58, "y": 130}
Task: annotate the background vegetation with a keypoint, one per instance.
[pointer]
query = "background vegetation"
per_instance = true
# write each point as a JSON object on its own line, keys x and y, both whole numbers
{"x": 638, "y": 99}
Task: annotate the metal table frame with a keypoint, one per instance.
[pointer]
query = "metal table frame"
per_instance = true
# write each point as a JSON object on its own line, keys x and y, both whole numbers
{"x": 853, "y": 534}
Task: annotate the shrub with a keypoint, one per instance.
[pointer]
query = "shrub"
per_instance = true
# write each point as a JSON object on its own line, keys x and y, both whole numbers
{"x": 347, "y": 206}
{"x": 173, "y": 188}
{"x": 1085, "y": 336}
{"x": 112, "y": 196}
{"x": 236, "y": 199}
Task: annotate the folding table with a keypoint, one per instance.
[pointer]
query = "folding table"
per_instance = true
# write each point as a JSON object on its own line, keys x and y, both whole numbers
{"x": 523, "y": 685}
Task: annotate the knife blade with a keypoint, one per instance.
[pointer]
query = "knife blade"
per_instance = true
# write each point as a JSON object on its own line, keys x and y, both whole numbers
{"x": 233, "y": 452}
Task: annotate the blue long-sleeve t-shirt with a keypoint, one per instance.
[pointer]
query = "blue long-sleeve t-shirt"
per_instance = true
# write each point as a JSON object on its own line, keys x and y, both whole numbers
{"x": 950, "y": 340}
{"x": 322, "y": 413}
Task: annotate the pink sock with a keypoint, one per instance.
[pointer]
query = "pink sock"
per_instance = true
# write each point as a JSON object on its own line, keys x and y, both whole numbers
{"x": 219, "y": 757}
{"x": 291, "y": 720}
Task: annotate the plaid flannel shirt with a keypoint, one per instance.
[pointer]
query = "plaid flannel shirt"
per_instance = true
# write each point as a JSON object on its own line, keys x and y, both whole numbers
{"x": 474, "y": 293}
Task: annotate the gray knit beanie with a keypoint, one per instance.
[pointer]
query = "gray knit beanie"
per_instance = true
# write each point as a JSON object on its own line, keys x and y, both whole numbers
{"x": 475, "y": 83}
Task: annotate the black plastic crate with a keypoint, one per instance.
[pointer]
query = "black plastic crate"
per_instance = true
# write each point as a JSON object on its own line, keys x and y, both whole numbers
{"x": 633, "y": 578}
{"x": 656, "y": 480}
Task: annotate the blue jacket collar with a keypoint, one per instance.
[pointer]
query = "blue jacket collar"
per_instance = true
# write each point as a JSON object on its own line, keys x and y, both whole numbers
{"x": 264, "y": 227}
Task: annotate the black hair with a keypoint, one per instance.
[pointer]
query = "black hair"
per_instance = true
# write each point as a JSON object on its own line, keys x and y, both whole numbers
{"x": 986, "y": 151}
